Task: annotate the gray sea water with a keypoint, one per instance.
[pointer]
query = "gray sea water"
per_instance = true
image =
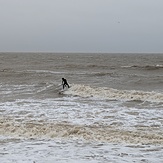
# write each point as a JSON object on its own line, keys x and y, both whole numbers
{"x": 113, "y": 111}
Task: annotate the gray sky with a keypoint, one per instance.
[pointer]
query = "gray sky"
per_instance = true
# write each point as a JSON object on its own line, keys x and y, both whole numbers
{"x": 81, "y": 25}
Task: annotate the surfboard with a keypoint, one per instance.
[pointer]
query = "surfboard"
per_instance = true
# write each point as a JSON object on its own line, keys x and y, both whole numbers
{"x": 63, "y": 90}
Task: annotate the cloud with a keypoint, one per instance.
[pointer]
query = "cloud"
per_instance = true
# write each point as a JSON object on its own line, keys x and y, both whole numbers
{"x": 83, "y": 25}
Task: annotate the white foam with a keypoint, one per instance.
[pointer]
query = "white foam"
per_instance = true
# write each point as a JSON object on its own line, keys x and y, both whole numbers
{"x": 72, "y": 151}
{"x": 44, "y": 129}
{"x": 160, "y": 66}
{"x": 110, "y": 93}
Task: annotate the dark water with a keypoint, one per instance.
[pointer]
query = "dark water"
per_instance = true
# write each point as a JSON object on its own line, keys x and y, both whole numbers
{"x": 122, "y": 71}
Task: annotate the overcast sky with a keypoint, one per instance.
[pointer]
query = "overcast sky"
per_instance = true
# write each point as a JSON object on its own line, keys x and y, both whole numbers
{"x": 81, "y": 26}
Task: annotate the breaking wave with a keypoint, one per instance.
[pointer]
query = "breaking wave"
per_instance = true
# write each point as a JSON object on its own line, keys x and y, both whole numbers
{"x": 113, "y": 94}
{"x": 146, "y": 67}
{"x": 43, "y": 129}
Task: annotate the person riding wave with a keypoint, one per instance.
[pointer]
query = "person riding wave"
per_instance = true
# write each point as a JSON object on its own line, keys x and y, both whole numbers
{"x": 65, "y": 83}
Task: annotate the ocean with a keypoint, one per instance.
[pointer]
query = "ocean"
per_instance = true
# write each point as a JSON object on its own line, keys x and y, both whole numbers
{"x": 112, "y": 112}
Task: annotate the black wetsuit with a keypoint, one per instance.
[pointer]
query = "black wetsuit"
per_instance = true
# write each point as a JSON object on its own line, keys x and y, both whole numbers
{"x": 64, "y": 83}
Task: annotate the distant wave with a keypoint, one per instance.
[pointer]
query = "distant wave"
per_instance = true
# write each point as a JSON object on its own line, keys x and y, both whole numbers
{"x": 98, "y": 66}
{"x": 100, "y": 74}
{"x": 113, "y": 94}
{"x": 146, "y": 67}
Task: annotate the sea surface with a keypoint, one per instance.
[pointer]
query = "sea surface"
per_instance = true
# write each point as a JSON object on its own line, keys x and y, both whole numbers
{"x": 112, "y": 113}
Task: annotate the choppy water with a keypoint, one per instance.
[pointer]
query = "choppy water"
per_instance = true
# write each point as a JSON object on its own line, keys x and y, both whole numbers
{"x": 113, "y": 111}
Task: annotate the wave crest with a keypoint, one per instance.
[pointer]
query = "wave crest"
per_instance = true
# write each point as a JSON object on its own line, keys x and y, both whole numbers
{"x": 145, "y": 67}
{"x": 113, "y": 94}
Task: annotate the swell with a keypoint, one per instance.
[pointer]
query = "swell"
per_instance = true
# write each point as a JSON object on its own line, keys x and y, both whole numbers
{"x": 42, "y": 129}
{"x": 101, "y": 74}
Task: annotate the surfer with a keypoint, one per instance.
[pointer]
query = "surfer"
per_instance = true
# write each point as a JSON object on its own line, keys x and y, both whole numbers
{"x": 64, "y": 83}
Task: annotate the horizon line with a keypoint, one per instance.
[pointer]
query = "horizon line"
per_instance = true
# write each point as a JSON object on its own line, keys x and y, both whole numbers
{"x": 50, "y": 52}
